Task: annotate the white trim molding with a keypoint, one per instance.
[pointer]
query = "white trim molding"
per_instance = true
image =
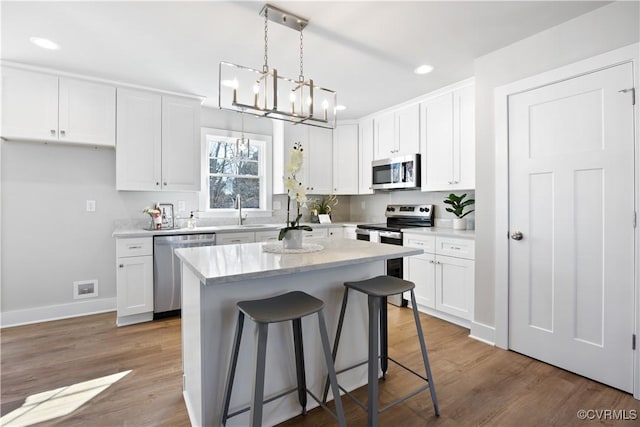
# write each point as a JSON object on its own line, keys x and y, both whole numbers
{"x": 483, "y": 333}
{"x": 56, "y": 312}
{"x": 622, "y": 55}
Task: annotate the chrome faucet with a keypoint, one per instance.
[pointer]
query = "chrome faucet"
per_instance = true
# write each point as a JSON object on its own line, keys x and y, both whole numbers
{"x": 239, "y": 207}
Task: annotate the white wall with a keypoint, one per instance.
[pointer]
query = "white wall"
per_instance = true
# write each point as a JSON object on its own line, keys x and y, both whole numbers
{"x": 599, "y": 31}
{"x": 49, "y": 240}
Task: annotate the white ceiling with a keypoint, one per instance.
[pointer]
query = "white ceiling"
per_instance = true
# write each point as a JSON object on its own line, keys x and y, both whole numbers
{"x": 366, "y": 51}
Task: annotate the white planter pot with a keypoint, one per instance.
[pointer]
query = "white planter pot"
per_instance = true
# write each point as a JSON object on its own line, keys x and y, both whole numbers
{"x": 460, "y": 223}
{"x": 293, "y": 239}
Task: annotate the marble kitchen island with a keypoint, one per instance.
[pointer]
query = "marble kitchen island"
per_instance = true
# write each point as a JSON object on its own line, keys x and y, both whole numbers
{"x": 215, "y": 278}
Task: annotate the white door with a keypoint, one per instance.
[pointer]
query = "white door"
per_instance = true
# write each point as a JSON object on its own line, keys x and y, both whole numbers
{"x": 385, "y": 136}
{"x": 345, "y": 152}
{"x": 571, "y": 186}
{"x": 365, "y": 152}
{"x": 319, "y": 161}
{"x": 408, "y": 130}
{"x": 437, "y": 144}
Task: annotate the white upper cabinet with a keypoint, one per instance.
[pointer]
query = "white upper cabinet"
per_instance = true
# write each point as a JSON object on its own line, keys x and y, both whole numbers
{"x": 385, "y": 136}
{"x": 365, "y": 156}
{"x": 448, "y": 141}
{"x": 87, "y": 112}
{"x": 317, "y": 143}
{"x": 397, "y": 133}
{"x": 158, "y": 142}
{"x": 139, "y": 149}
{"x": 345, "y": 151}
{"x": 181, "y": 151}
{"x": 44, "y": 107}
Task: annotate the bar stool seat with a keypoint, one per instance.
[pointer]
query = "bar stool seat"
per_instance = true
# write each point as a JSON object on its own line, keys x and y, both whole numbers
{"x": 291, "y": 306}
{"x": 377, "y": 290}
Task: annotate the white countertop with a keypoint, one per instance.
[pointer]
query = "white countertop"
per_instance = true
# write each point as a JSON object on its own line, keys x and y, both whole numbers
{"x": 231, "y": 263}
{"x": 132, "y": 231}
{"x": 441, "y": 231}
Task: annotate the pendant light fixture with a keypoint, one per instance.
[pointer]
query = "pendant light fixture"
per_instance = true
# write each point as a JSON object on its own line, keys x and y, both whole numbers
{"x": 268, "y": 94}
{"x": 242, "y": 143}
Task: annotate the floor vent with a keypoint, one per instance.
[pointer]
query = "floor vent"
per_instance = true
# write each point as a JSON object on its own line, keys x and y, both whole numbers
{"x": 85, "y": 289}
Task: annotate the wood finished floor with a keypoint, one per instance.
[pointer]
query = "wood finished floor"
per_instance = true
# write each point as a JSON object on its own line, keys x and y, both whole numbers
{"x": 477, "y": 385}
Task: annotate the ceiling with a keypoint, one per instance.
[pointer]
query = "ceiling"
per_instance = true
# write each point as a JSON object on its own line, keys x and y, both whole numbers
{"x": 366, "y": 51}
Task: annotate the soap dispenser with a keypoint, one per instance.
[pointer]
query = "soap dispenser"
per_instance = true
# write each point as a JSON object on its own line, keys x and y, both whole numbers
{"x": 191, "y": 222}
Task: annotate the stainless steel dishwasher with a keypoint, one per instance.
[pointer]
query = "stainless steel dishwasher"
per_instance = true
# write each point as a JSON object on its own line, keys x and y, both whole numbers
{"x": 167, "y": 273}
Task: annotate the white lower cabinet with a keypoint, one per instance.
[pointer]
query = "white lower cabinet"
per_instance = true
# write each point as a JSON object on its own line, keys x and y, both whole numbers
{"x": 444, "y": 283}
{"x": 335, "y": 232}
{"x": 134, "y": 280}
{"x": 270, "y": 236}
{"x": 235, "y": 238}
{"x": 349, "y": 232}
{"x": 316, "y": 233}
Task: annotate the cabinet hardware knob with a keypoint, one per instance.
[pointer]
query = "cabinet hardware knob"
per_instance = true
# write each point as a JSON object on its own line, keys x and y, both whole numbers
{"x": 53, "y": 131}
{"x": 164, "y": 183}
{"x": 121, "y": 266}
{"x": 157, "y": 183}
{"x": 517, "y": 235}
{"x": 135, "y": 247}
{"x": 62, "y": 133}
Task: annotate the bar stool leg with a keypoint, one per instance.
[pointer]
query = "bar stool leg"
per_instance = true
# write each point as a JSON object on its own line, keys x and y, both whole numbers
{"x": 233, "y": 363}
{"x": 384, "y": 338}
{"x": 425, "y": 358}
{"x": 258, "y": 384}
{"x": 334, "y": 352}
{"x": 374, "y": 323}
{"x": 299, "y": 352}
{"x": 331, "y": 370}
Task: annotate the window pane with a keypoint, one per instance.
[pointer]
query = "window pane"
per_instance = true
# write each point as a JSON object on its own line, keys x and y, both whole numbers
{"x": 254, "y": 152}
{"x": 248, "y": 168}
{"x": 221, "y": 149}
{"x": 223, "y": 190}
{"x": 223, "y": 166}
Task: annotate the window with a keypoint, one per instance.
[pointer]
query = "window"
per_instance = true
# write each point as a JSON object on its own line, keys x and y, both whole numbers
{"x": 232, "y": 168}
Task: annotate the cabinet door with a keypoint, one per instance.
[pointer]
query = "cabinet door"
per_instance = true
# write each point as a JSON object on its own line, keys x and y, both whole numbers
{"x": 421, "y": 270}
{"x": 365, "y": 156}
{"x": 181, "y": 148}
{"x": 437, "y": 144}
{"x": 138, "y": 150}
{"x": 408, "y": 130}
{"x": 464, "y": 139}
{"x": 267, "y": 236}
{"x": 320, "y": 161}
{"x": 235, "y": 238}
{"x": 87, "y": 112}
{"x": 385, "y": 136}
{"x": 349, "y": 232}
{"x": 335, "y": 232}
{"x": 316, "y": 233}
{"x": 29, "y": 105}
{"x": 454, "y": 286}
{"x": 134, "y": 280}
{"x": 345, "y": 153}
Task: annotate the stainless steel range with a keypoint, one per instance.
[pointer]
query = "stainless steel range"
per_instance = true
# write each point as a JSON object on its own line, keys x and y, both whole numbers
{"x": 398, "y": 217}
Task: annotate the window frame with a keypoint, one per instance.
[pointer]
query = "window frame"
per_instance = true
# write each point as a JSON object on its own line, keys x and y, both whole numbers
{"x": 264, "y": 172}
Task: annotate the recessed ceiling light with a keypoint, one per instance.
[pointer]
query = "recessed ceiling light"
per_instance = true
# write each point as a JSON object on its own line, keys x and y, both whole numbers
{"x": 423, "y": 69}
{"x": 44, "y": 43}
{"x": 340, "y": 107}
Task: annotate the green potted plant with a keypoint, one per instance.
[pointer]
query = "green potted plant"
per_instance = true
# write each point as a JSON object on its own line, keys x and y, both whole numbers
{"x": 458, "y": 205}
{"x": 323, "y": 205}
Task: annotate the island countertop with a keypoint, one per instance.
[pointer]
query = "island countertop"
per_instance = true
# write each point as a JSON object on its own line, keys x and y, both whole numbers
{"x": 231, "y": 263}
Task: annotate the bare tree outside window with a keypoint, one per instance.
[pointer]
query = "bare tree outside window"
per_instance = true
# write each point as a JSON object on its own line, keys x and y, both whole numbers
{"x": 232, "y": 172}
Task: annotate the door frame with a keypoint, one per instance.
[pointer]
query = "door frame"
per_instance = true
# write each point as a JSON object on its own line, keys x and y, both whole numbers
{"x": 615, "y": 57}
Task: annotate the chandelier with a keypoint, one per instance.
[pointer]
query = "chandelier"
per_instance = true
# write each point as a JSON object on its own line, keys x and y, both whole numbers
{"x": 268, "y": 94}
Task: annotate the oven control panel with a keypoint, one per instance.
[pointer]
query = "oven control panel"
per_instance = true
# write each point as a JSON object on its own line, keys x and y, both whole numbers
{"x": 409, "y": 211}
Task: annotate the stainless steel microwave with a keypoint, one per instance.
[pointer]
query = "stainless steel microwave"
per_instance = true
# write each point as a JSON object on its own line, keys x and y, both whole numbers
{"x": 402, "y": 172}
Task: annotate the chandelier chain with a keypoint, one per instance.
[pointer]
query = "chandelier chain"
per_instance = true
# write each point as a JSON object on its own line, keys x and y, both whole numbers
{"x": 265, "y": 67}
{"x": 301, "y": 77}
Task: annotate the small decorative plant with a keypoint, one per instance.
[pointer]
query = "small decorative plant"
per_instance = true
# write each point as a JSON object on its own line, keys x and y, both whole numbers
{"x": 154, "y": 214}
{"x": 458, "y": 204}
{"x": 323, "y": 205}
{"x": 295, "y": 190}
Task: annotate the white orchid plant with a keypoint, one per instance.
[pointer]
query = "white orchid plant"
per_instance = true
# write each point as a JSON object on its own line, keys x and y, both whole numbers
{"x": 295, "y": 190}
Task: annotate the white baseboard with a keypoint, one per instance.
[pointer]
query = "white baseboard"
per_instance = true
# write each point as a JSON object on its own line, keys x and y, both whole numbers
{"x": 483, "y": 333}
{"x": 56, "y": 312}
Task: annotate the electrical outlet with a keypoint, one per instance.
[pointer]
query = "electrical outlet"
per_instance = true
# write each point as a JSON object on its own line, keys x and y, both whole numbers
{"x": 182, "y": 206}
{"x": 91, "y": 205}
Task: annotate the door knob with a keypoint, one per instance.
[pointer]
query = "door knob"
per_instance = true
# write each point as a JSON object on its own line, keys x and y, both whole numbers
{"x": 516, "y": 235}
